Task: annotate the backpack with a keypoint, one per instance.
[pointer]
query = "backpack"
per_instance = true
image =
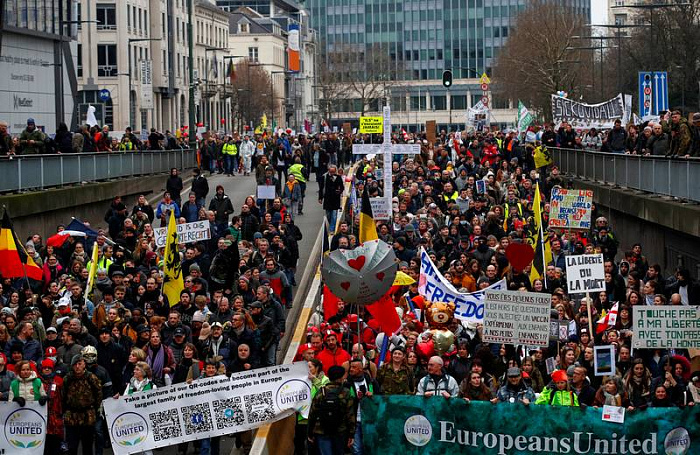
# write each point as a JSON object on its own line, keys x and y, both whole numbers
{"x": 330, "y": 410}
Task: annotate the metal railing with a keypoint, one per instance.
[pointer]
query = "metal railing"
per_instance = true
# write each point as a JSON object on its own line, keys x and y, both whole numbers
{"x": 45, "y": 171}
{"x": 675, "y": 177}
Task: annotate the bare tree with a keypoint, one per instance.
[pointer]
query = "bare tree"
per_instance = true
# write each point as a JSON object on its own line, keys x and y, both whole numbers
{"x": 536, "y": 61}
{"x": 252, "y": 92}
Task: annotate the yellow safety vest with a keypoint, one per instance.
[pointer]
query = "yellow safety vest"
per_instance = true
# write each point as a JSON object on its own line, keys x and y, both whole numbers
{"x": 230, "y": 149}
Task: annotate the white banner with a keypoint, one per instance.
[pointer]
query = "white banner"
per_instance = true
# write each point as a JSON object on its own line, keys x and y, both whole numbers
{"x": 146, "y": 68}
{"x": 585, "y": 273}
{"x": 666, "y": 327}
{"x": 514, "y": 317}
{"x": 469, "y": 307}
{"x": 186, "y": 233}
{"x": 582, "y": 115}
{"x": 24, "y": 429}
{"x": 570, "y": 209}
{"x": 207, "y": 408}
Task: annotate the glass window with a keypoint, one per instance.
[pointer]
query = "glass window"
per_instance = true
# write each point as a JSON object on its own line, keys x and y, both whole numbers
{"x": 106, "y": 60}
{"x": 79, "y": 58}
{"x": 253, "y": 53}
{"x": 418, "y": 103}
{"x": 439, "y": 102}
{"x": 458, "y": 101}
{"x": 106, "y": 16}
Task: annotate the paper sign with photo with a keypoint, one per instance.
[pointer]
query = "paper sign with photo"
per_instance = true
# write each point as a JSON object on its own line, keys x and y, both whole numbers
{"x": 613, "y": 414}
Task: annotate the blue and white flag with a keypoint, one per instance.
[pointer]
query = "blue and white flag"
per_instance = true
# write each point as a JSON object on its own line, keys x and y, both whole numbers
{"x": 469, "y": 307}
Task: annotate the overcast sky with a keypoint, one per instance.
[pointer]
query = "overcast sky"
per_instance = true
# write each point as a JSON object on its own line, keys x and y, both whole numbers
{"x": 599, "y": 11}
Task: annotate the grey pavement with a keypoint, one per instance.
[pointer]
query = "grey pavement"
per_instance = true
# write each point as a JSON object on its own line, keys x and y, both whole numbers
{"x": 238, "y": 188}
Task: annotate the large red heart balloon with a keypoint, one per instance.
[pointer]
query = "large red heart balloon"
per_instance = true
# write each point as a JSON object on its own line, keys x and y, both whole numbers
{"x": 520, "y": 255}
{"x": 425, "y": 349}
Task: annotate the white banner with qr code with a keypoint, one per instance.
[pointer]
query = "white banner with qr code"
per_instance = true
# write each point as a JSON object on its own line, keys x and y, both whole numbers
{"x": 207, "y": 407}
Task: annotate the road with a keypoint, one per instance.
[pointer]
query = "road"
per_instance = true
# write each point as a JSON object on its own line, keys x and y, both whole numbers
{"x": 238, "y": 188}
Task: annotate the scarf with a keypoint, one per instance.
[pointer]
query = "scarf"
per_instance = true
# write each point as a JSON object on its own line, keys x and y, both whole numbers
{"x": 157, "y": 360}
{"x": 290, "y": 185}
{"x": 612, "y": 400}
{"x": 137, "y": 386}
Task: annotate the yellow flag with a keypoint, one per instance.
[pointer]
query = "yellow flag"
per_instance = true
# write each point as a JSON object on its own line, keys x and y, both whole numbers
{"x": 540, "y": 241}
{"x": 93, "y": 269}
{"x": 263, "y": 121}
{"x": 402, "y": 279}
{"x": 173, "y": 283}
{"x": 543, "y": 157}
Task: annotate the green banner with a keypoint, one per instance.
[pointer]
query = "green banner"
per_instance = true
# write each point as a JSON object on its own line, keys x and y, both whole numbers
{"x": 419, "y": 425}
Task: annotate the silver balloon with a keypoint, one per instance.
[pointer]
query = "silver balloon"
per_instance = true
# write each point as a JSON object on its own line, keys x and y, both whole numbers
{"x": 363, "y": 275}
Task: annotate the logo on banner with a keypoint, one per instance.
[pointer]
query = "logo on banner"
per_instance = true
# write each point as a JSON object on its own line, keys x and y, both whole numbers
{"x": 291, "y": 393}
{"x": 677, "y": 441}
{"x": 24, "y": 428}
{"x": 129, "y": 429}
{"x": 418, "y": 430}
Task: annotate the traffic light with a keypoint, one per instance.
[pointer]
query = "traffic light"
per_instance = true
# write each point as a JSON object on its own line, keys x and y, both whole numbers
{"x": 447, "y": 78}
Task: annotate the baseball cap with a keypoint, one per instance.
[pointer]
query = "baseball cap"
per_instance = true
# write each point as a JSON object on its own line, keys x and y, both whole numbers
{"x": 51, "y": 330}
{"x": 179, "y": 332}
{"x": 513, "y": 372}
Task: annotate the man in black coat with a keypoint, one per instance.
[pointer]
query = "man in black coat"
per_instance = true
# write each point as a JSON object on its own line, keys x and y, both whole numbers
{"x": 200, "y": 186}
{"x": 331, "y": 190}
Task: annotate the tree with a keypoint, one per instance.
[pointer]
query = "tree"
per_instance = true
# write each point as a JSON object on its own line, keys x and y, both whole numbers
{"x": 251, "y": 92}
{"x": 536, "y": 60}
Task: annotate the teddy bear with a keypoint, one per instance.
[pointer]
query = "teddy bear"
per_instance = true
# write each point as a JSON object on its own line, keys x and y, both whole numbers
{"x": 438, "y": 315}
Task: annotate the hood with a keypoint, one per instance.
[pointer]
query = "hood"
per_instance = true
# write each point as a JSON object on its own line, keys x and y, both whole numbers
{"x": 31, "y": 377}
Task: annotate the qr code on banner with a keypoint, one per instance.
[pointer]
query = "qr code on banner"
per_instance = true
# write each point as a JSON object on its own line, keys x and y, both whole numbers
{"x": 228, "y": 413}
{"x": 197, "y": 418}
{"x": 166, "y": 425}
{"x": 259, "y": 407}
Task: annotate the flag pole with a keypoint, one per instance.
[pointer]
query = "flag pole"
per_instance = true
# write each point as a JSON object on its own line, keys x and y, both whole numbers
{"x": 590, "y": 321}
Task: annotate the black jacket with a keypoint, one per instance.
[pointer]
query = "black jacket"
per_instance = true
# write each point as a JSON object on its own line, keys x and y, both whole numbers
{"x": 200, "y": 187}
{"x": 174, "y": 187}
{"x": 331, "y": 190}
{"x": 223, "y": 208}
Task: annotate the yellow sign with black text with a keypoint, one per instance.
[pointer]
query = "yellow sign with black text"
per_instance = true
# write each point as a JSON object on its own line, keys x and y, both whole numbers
{"x": 371, "y": 125}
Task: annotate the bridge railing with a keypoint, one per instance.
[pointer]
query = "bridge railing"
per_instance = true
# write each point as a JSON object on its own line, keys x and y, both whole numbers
{"x": 675, "y": 177}
{"x": 46, "y": 171}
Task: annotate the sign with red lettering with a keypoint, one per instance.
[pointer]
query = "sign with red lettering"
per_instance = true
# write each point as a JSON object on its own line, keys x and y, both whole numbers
{"x": 570, "y": 209}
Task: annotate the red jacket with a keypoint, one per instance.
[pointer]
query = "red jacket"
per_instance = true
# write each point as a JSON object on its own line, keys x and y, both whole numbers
{"x": 329, "y": 359}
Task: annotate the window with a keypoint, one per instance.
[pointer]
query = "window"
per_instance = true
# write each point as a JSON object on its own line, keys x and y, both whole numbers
{"x": 128, "y": 16}
{"x": 106, "y": 60}
{"x": 253, "y": 53}
{"x": 106, "y": 16}
{"x": 458, "y": 102}
{"x": 79, "y": 58}
{"x": 439, "y": 102}
{"x": 418, "y": 103}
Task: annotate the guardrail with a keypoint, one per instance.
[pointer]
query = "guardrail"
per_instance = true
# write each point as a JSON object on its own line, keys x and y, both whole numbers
{"x": 675, "y": 177}
{"x": 45, "y": 171}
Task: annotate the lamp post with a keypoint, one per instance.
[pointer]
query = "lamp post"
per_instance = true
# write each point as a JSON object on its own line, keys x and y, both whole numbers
{"x": 190, "y": 61}
{"x": 618, "y": 36}
{"x": 129, "y": 41}
{"x": 594, "y": 48}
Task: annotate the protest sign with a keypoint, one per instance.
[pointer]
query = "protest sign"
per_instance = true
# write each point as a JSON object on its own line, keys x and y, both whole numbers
{"x": 570, "y": 209}
{"x": 666, "y": 327}
{"x": 431, "y": 130}
{"x": 604, "y": 360}
{"x": 469, "y": 307}
{"x": 434, "y": 426}
{"x": 207, "y": 407}
{"x": 266, "y": 191}
{"x": 585, "y": 273}
{"x": 347, "y": 128}
{"x": 186, "y": 233}
{"x": 381, "y": 208}
{"x": 371, "y": 125}
{"x": 582, "y": 115}
{"x": 24, "y": 428}
{"x": 514, "y": 317}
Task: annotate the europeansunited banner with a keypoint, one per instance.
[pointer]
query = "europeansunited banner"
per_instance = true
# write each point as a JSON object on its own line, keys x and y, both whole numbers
{"x": 582, "y": 115}
{"x": 23, "y": 428}
{"x": 207, "y": 407}
{"x": 411, "y": 424}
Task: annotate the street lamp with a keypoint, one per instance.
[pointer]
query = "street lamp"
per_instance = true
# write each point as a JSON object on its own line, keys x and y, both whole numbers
{"x": 129, "y": 41}
{"x": 619, "y": 37}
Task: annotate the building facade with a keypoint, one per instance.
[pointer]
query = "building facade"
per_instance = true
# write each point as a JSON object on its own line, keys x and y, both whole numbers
{"x": 37, "y": 65}
{"x": 417, "y": 40}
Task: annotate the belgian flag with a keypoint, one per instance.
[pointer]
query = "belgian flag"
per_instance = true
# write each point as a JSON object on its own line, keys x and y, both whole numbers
{"x": 14, "y": 260}
{"x": 368, "y": 230}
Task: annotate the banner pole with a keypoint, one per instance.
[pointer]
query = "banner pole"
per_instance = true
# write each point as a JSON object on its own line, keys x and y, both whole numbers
{"x": 590, "y": 320}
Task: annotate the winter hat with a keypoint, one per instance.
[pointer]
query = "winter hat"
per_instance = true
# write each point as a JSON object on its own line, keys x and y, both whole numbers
{"x": 76, "y": 358}
{"x": 48, "y": 363}
{"x": 205, "y": 332}
{"x": 198, "y": 316}
{"x": 559, "y": 375}
{"x": 336, "y": 372}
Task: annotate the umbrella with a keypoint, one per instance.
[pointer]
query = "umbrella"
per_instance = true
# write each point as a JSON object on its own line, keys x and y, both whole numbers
{"x": 360, "y": 276}
{"x": 60, "y": 238}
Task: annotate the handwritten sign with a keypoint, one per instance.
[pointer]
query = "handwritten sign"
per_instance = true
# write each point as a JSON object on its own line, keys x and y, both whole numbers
{"x": 186, "y": 233}
{"x": 515, "y": 317}
{"x": 371, "y": 125}
{"x": 585, "y": 273}
{"x": 570, "y": 209}
{"x": 381, "y": 208}
{"x": 666, "y": 327}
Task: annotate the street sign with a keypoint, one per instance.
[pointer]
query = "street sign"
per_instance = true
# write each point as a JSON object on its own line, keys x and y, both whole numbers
{"x": 653, "y": 92}
{"x": 484, "y": 79}
{"x": 105, "y": 95}
{"x": 485, "y": 100}
{"x": 485, "y": 87}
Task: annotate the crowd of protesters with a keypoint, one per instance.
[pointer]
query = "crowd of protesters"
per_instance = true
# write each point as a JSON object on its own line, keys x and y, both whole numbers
{"x": 464, "y": 200}
{"x": 672, "y": 135}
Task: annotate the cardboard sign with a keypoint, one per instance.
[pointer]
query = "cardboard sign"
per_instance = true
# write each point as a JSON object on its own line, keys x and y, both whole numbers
{"x": 585, "y": 273}
{"x": 431, "y": 130}
{"x": 371, "y": 125}
{"x": 186, "y": 233}
{"x": 381, "y": 208}
{"x": 570, "y": 209}
{"x": 514, "y": 317}
{"x": 614, "y": 414}
{"x": 666, "y": 327}
{"x": 266, "y": 191}
{"x": 347, "y": 128}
